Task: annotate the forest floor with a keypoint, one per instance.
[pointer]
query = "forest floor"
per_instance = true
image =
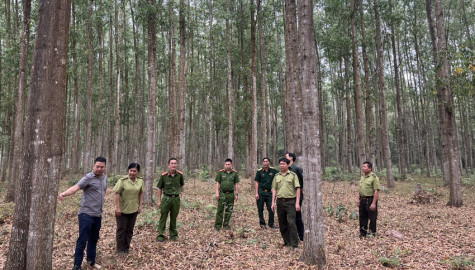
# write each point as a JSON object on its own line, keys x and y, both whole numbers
{"x": 434, "y": 236}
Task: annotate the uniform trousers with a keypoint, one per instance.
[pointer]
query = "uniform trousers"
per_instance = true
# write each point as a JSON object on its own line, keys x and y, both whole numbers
{"x": 365, "y": 215}
{"x": 288, "y": 229}
{"x": 125, "y": 231}
{"x": 169, "y": 205}
{"x": 225, "y": 206}
{"x": 265, "y": 198}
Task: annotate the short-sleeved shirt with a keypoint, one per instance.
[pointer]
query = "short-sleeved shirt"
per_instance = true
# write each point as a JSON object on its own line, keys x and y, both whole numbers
{"x": 286, "y": 185}
{"x": 94, "y": 190}
{"x": 227, "y": 180}
{"x": 368, "y": 184}
{"x": 171, "y": 185}
{"x": 129, "y": 192}
{"x": 264, "y": 178}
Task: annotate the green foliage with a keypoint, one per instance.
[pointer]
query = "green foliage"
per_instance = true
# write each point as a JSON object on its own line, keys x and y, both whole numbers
{"x": 150, "y": 218}
{"x": 211, "y": 211}
{"x": 340, "y": 212}
{"x": 191, "y": 204}
{"x": 353, "y": 215}
{"x": 112, "y": 179}
{"x": 460, "y": 262}
{"x": 334, "y": 174}
{"x": 204, "y": 175}
{"x": 468, "y": 180}
{"x": 390, "y": 262}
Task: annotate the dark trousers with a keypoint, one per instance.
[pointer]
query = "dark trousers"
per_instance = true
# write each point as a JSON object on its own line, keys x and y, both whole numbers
{"x": 89, "y": 227}
{"x": 286, "y": 214}
{"x": 299, "y": 222}
{"x": 265, "y": 198}
{"x": 367, "y": 215}
{"x": 125, "y": 231}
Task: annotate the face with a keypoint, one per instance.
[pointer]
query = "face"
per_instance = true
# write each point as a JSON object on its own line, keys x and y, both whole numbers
{"x": 283, "y": 166}
{"x": 99, "y": 168}
{"x": 228, "y": 165}
{"x": 172, "y": 165}
{"x": 289, "y": 157}
{"x": 366, "y": 169}
{"x": 133, "y": 173}
{"x": 266, "y": 163}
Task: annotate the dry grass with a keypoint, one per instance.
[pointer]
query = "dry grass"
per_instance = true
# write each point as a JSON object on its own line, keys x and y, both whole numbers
{"x": 435, "y": 236}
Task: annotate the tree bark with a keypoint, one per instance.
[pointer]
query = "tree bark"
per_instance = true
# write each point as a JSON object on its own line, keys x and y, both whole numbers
{"x": 115, "y": 168}
{"x": 230, "y": 94}
{"x": 314, "y": 244}
{"x": 88, "y": 143}
{"x": 181, "y": 109}
{"x": 253, "y": 155}
{"x": 31, "y": 241}
{"x": 264, "y": 138}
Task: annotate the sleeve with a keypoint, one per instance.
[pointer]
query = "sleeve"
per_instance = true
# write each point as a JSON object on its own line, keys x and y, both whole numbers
{"x": 218, "y": 178}
{"x": 119, "y": 187}
{"x": 236, "y": 178}
{"x": 161, "y": 183}
{"x": 257, "y": 178}
{"x": 296, "y": 182}
{"x": 376, "y": 183}
{"x": 182, "y": 180}
{"x": 274, "y": 184}
{"x": 83, "y": 183}
{"x": 142, "y": 188}
{"x": 300, "y": 177}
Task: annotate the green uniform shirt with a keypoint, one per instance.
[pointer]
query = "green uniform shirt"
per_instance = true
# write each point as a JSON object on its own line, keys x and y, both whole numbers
{"x": 285, "y": 185}
{"x": 265, "y": 178}
{"x": 169, "y": 184}
{"x": 368, "y": 184}
{"x": 227, "y": 180}
{"x": 129, "y": 192}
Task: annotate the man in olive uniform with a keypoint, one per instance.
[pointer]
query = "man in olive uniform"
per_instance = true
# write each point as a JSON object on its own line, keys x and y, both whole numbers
{"x": 368, "y": 199}
{"x": 263, "y": 187}
{"x": 226, "y": 192}
{"x": 170, "y": 185}
{"x": 286, "y": 195}
{"x": 299, "y": 172}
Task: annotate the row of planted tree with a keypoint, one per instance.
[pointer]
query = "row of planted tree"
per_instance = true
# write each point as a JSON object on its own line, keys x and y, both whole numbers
{"x": 395, "y": 84}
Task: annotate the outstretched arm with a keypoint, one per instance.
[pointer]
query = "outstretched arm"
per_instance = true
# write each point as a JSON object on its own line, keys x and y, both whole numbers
{"x": 68, "y": 192}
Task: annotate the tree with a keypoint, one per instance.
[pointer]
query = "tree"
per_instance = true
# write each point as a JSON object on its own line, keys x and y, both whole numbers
{"x": 31, "y": 241}
{"x": 253, "y": 154}
{"x": 314, "y": 244}
{"x": 230, "y": 148}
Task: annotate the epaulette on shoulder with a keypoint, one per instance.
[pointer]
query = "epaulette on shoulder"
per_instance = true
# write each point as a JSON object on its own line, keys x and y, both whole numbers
{"x": 222, "y": 170}
{"x": 179, "y": 172}
{"x": 234, "y": 170}
{"x": 124, "y": 178}
{"x": 164, "y": 173}
{"x": 260, "y": 169}
{"x": 138, "y": 177}
{"x": 291, "y": 172}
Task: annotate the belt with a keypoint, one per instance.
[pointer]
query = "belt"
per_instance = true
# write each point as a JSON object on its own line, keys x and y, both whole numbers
{"x": 227, "y": 192}
{"x": 285, "y": 199}
{"x": 172, "y": 195}
{"x": 366, "y": 197}
{"x": 266, "y": 190}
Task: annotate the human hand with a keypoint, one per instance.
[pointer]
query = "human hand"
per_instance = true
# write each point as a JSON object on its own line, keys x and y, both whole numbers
{"x": 236, "y": 197}
{"x": 372, "y": 207}
{"x": 117, "y": 212}
{"x": 159, "y": 204}
{"x": 358, "y": 203}
{"x": 217, "y": 196}
{"x": 140, "y": 209}
{"x": 257, "y": 196}
{"x": 297, "y": 207}
{"x": 61, "y": 197}
{"x": 273, "y": 207}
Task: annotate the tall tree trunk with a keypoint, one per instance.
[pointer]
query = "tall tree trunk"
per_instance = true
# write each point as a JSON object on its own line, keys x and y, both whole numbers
{"x": 115, "y": 168}
{"x": 253, "y": 155}
{"x": 211, "y": 94}
{"x": 181, "y": 110}
{"x": 75, "y": 140}
{"x": 151, "y": 106}
{"x": 264, "y": 138}
{"x": 17, "y": 140}
{"x": 446, "y": 107}
{"x": 358, "y": 91}
{"x": 314, "y": 244}
{"x": 172, "y": 83}
{"x": 230, "y": 148}
{"x": 400, "y": 134}
{"x": 88, "y": 144}
{"x": 136, "y": 120}
{"x": 31, "y": 242}
{"x": 384, "y": 109}
{"x": 349, "y": 118}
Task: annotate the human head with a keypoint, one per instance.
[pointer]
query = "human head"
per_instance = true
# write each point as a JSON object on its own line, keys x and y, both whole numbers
{"x": 99, "y": 166}
{"x": 291, "y": 156}
{"x": 367, "y": 167}
{"x": 228, "y": 164}
{"x": 172, "y": 164}
{"x": 133, "y": 170}
{"x": 266, "y": 162}
{"x": 284, "y": 164}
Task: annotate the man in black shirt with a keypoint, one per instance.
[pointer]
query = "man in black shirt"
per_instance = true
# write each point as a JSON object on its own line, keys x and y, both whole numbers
{"x": 297, "y": 170}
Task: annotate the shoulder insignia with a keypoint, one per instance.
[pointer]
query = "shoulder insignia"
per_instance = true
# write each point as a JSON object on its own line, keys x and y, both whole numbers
{"x": 124, "y": 178}
{"x": 291, "y": 172}
{"x": 260, "y": 169}
{"x": 179, "y": 172}
{"x": 234, "y": 170}
{"x": 139, "y": 177}
{"x": 164, "y": 173}
{"x": 222, "y": 170}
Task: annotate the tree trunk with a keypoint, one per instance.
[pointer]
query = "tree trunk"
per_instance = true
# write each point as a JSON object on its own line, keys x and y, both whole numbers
{"x": 115, "y": 168}
{"x": 181, "y": 110}
{"x": 88, "y": 144}
{"x": 211, "y": 94}
{"x": 264, "y": 138}
{"x": 384, "y": 110}
{"x": 253, "y": 155}
{"x": 151, "y": 106}
{"x": 31, "y": 241}
{"x": 314, "y": 244}
{"x": 230, "y": 148}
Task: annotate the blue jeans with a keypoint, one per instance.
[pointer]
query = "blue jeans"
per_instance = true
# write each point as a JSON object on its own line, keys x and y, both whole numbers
{"x": 89, "y": 227}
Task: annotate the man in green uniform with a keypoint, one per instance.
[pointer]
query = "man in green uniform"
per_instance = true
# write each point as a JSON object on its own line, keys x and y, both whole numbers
{"x": 226, "y": 192}
{"x": 368, "y": 200}
{"x": 263, "y": 187}
{"x": 286, "y": 195}
{"x": 170, "y": 185}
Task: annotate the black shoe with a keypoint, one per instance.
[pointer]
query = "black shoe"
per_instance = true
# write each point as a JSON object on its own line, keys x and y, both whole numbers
{"x": 77, "y": 267}
{"x": 274, "y": 227}
{"x": 263, "y": 227}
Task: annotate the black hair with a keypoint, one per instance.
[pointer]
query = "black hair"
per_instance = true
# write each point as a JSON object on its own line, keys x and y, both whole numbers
{"x": 228, "y": 159}
{"x": 172, "y": 159}
{"x": 134, "y": 165}
{"x": 286, "y": 160}
{"x": 370, "y": 165}
{"x": 100, "y": 159}
{"x": 293, "y": 156}
{"x": 266, "y": 158}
